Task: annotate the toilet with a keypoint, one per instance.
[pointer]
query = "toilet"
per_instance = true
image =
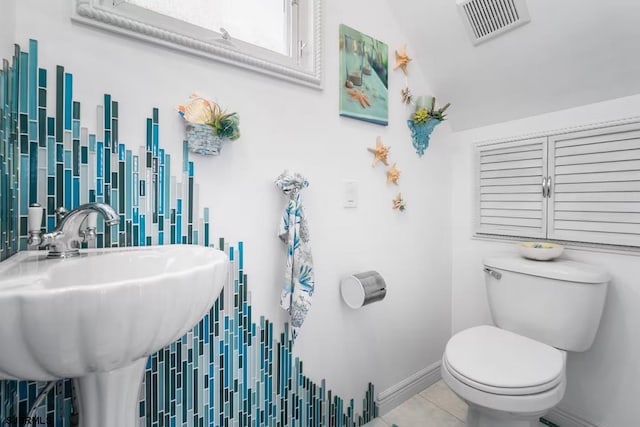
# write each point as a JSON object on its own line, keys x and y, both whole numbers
{"x": 513, "y": 373}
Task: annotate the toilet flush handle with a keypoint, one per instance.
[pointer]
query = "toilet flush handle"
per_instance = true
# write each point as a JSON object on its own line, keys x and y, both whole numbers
{"x": 495, "y": 274}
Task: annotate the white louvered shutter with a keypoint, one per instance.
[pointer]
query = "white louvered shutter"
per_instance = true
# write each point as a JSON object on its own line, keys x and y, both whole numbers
{"x": 509, "y": 188}
{"x": 595, "y": 191}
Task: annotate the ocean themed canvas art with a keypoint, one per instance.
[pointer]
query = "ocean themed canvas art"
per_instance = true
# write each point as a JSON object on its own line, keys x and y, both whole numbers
{"x": 364, "y": 69}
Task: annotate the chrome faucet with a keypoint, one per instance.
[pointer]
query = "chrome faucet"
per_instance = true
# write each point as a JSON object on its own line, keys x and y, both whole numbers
{"x": 64, "y": 241}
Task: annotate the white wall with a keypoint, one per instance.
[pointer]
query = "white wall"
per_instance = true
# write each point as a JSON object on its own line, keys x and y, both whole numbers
{"x": 554, "y": 62}
{"x": 7, "y": 28}
{"x": 604, "y": 382}
{"x": 288, "y": 126}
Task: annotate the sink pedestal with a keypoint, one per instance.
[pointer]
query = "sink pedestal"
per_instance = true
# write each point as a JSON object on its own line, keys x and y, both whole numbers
{"x": 109, "y": 399}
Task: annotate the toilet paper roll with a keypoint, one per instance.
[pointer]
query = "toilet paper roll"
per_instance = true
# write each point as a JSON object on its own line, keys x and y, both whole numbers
{"x": 363, "y": 288}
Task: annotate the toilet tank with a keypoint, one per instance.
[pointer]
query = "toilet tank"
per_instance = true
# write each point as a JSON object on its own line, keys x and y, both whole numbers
{"x": 556, "y": 302}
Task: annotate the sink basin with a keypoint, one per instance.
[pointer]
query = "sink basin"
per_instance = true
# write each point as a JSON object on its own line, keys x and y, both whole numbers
{"x": 98, "y": 316}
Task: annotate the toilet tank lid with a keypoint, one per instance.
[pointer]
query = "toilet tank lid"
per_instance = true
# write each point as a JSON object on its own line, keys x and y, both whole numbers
{"x": 559, "y": 269}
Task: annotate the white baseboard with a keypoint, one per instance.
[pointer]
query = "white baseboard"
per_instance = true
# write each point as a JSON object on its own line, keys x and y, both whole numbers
{"x": 407, "y": 388}
{"x": 566, "y": 419}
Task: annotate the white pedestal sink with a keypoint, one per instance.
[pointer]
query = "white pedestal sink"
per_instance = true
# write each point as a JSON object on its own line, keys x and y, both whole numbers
{"x": 97, "y": 318}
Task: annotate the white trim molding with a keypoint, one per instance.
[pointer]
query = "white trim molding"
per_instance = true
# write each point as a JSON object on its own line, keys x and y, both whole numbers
{"x": 91, "y": 13}
{"x": 407, "y": 388}
{"x": 566, "y": 419}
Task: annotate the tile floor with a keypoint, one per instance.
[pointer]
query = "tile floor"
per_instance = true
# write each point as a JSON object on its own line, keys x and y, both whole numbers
{"x": 437, "y": 406}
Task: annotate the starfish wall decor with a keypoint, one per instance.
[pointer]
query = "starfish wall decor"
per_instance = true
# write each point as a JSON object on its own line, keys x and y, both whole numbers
{"x": 399, "y": 203}
{"x": 402, "y": 60}
{"x": 380, "y": 153}
{"x": 393, "y": 175}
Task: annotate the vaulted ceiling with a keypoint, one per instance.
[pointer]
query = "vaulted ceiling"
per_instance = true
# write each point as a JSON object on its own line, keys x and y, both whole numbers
{"x": 573, "y": 52}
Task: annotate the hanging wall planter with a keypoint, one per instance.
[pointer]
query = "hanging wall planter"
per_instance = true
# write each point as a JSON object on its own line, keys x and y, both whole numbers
{"x": 420, "y": 133}
{"x": 207, "y": 126}
{"x": 201, "y": 139}
{"x": 423, "y": 121}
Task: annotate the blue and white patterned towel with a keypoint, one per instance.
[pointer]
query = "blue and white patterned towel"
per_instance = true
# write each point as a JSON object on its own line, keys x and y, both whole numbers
{"x": 299, "y": 284}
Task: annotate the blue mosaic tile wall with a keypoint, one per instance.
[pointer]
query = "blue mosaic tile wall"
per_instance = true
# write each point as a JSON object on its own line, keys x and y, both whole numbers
{"x": 230, "y": 369}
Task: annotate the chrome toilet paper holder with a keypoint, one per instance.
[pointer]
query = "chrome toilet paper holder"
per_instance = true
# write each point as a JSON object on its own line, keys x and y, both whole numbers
{"x": 362, "y": 289}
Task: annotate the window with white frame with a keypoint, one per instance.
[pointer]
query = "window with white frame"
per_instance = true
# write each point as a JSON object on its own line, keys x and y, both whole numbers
{"x": 576, "y": 186}
{"x": 281, "y": 38}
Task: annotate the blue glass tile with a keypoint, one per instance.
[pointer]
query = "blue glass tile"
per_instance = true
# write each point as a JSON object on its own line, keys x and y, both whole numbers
{"x": 107, "y": 165}
{"x": 33, "y": 79}
{"x": 149, "y": 135}
{"x": 33, "y": 173}
{"x": 107, "y": 112}
{"x": 100, "y": 159}
{"x": 68, "y": 100}
{"x": 67, "y": 186}
{"x": 51, "y": 158}
{"x": 76, "y": 129}
{"x": 167, "y": 181}
{"x": 33, "y": 130}
{"x": 135, "y": 190}
{"x": 42, "y": 125}
{"x": 42, "y": 102}
{"x": 161, "y": 190}
{"x": 75, "y": 157}
{"x": 155, "y": 139}
{"x": 76, "y": 192}
{"x": 185, "y": 156}
{"x": 24, "y": 184}
{"x": 51, "y": 126}
{"x": 75, "y": 110}
{"x": 128, "y": 173}
{"x": 42, "y": 77}
{"x": 59, "y": 152}
{"x": 23, "y": 99}
{"x": 114, "y": 199}
{"x": 51, "y": 186}
{"x": 142, "y": 230}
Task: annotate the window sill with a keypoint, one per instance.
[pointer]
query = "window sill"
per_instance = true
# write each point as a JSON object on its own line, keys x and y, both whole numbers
{"x": 577, "y": 246}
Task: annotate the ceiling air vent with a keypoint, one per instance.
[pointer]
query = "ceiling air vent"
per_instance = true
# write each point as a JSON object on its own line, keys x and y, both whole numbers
{"x": 485, "y": 19}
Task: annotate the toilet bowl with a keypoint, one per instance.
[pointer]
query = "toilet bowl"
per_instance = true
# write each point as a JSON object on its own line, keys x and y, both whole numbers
{"x": 513, "y": 373}
{"x": 508, "y": 380}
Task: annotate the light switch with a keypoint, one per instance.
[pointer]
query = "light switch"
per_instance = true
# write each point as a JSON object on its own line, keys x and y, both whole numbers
{"x": 350, "y": 194}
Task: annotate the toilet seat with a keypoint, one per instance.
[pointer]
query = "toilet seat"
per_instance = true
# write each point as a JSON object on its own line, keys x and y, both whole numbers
{"x": 500, "y": 362}
{"x": 506, "y": 391}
